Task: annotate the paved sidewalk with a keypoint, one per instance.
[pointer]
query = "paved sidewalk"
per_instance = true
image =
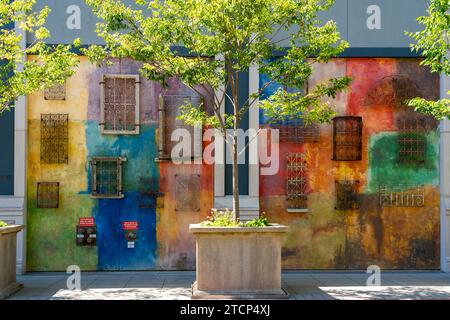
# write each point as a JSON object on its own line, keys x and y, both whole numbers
{"x": 176, "y": 285}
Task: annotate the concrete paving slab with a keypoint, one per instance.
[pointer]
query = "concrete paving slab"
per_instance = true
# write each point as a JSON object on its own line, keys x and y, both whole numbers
{"x": 177, "y": 285}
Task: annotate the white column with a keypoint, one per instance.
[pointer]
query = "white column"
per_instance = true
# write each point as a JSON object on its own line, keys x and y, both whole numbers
{"x": 219, "y": 151}
{"x": 249, "y": 204}
{"x": 13, "y": 208}
{"x": 253, "y": 188}
{"x": 445, "y": 181}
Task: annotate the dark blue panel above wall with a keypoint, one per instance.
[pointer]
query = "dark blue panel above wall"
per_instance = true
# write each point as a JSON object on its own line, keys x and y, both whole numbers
{"x": 7, "y": 152}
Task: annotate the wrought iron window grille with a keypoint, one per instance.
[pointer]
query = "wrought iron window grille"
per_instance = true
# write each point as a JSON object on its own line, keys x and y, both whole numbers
{"x": 107, "y": 177}
{"x": 412, "y": 141}
{"x": 54, "y": 138}
{"x": 297, "y": 184}
{"x": 297, "y": 131}
{"x": 48, "y": 195}
{"x": 347, "y": 139}
{"x": 149, "y": 193}
{"x": 56, "y": 92}
{"x": 120, "y": 104}
{"x": 169, "y": 110}
{"x": 347, "y": 194}
{"x": 401, "y": 196}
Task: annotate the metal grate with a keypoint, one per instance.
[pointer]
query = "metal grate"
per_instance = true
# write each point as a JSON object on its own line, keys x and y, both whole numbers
{"x": 412, "y": 143}
{"x": 401, "y": 196}
{"x": 149, "y": 193}
{"x": 347, "y": 138}
{"x": 57, "y": 92}
{"x": 296, "y": 187}
{"x": 393, "y": 91}
{"x": 54, "y": 138}
{"x": 347, "y": 194}
{"x": 48, "y": 194}
{"x": 169, "y": 112}
{"x": 187, "y": 192}
{"x": 107, "y": 177}
{"x": 120, "y": 104}
{"x": 297, "y": 132}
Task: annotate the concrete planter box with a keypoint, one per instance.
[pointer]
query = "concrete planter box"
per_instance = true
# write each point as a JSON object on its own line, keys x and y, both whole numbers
{"x": 238, "y": 262}
{"x": 8, "y": 284}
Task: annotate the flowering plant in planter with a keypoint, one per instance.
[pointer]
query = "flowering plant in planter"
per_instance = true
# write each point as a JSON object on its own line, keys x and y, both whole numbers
{"x": 225, "y": 218}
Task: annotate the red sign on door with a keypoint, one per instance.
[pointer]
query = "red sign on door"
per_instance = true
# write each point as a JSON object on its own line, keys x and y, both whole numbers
{"x": 130, "y": 225}
{"x": 86, "y": 222}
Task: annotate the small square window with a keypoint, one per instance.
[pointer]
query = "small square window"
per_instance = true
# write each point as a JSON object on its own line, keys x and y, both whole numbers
{"x": 54, "y": 138}
{"x": 107, "y": 177}
{"x": 297, "y": 183}
{"x": 347, "y": 138}
{"x": 120, "y": 104}
{"x": 347, "y": 195}
{"x": 412, "y": 141}
{"x": 48, "y": 195}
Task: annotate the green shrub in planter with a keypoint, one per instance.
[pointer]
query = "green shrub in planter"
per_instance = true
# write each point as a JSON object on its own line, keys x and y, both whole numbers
{"x": 3, "y": 224}
{"x": 225, "y": 218}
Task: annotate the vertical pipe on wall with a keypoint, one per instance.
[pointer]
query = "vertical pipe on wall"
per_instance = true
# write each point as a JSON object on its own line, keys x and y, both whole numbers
{"x": 444, "y": 177}
{"x": 162, "y": 120}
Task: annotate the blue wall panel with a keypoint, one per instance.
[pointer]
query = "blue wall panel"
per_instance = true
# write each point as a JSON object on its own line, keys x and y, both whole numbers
{"x": 7, "y": 152}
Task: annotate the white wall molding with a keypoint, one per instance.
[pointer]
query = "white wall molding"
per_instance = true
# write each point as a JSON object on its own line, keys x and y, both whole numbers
{"x": 444, "y": 176}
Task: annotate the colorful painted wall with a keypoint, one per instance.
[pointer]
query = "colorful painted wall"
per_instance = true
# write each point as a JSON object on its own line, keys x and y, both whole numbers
{"x": 163, "y": 241}
{"x": 391, "y": 237}
{"x": 322, "y": 238}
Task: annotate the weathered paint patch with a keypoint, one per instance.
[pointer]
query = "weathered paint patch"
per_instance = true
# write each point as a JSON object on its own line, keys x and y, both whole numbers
{"x": 385, "y": 168}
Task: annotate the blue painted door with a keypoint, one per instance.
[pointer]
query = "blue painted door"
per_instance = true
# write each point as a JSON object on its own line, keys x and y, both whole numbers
{"x": 113, "y": 250}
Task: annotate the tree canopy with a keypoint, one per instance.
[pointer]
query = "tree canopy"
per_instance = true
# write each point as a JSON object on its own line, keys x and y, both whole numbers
{"x": 209, "y": 43}
{"x": 433, "y": 42}
{"x": 53, "y": 64}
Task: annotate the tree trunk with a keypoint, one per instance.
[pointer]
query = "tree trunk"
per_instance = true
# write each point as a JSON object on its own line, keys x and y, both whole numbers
{"x": 235, "y": 176}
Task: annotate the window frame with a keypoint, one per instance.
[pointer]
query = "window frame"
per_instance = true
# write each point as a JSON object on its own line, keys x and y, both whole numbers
{"x": 137, "y": 121}
{"x": 162, "y": 131}
{"x": 357, "y": 145}
{"x": 119, "y": 162}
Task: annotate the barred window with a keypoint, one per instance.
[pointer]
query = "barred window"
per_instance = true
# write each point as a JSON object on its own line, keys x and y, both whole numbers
{"x": 169, "y": 111}
{"x": 297, "y": 131}
{"x": 346, "y": 194}
{"x": 48, "y": 195}
{"x": 107, "y": 177}
{"x": 401, "y": 195}
{"x": 120, "y": 104}
{"x": 56, "y": 92}
{"x": 412, "y": 142}
{"x": 54, "y": 138}
{"x": 296, "y": 187}
{"x": 347, "y": 138}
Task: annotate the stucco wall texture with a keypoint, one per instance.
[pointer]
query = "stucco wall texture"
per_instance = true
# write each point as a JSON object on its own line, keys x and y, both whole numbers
{"x": 322, "y": 238}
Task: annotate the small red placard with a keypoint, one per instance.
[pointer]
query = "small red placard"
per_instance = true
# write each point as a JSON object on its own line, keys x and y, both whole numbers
{"x": 86, "y": 222}
{"x": 130, "y": 225}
